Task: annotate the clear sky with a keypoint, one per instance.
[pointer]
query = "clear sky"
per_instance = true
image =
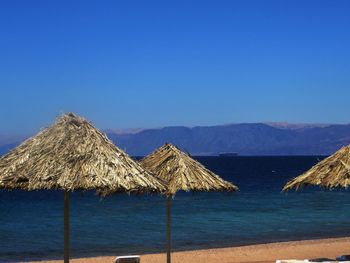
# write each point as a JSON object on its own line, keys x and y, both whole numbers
{"x": 125, "y": 64}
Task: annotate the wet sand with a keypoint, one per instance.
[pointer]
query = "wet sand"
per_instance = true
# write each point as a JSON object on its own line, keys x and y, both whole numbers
{"x": 323, "y": 248}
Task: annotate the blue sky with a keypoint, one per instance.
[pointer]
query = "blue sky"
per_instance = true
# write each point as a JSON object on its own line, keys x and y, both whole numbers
{"x": 125, "y": 64}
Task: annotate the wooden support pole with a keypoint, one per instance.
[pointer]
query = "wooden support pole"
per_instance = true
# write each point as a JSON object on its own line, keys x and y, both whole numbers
{"x": 66, "y": 227}
{"x": 168, "y": 233}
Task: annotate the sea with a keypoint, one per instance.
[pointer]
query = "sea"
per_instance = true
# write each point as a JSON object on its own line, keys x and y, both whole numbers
{"x": 31, "y": 223}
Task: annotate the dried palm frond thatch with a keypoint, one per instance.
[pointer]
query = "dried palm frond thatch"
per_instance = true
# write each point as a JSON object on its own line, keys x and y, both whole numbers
{"x": 181, "y": 172}
{"x": 332, "y": 172}
{"x": 73, "y": 155}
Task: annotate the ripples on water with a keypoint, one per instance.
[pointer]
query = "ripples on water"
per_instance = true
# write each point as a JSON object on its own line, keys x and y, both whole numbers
{"x": 32, "y": 222}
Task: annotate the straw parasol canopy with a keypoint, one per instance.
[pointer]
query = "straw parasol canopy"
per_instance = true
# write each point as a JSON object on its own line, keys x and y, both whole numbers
{"x": 73, "y": 155}
{"x": 181, "y": 172}
{"x": 332, "y": 172}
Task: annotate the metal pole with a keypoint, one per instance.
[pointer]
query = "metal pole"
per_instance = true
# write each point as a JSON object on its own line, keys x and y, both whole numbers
{"x": 168, "y": 233}
{"x": 66, "y": 227}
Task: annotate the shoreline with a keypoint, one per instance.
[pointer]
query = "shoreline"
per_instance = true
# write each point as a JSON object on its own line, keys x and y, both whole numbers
{"x": 259, "y": 253}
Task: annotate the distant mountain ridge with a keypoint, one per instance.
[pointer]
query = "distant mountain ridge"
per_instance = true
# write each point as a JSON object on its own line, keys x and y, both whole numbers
{"x": 244, "y": 138}
{"x": 296, "y": 126}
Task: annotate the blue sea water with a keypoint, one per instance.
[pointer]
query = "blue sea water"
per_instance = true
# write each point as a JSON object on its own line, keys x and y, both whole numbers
{"x": 31, "y": 223}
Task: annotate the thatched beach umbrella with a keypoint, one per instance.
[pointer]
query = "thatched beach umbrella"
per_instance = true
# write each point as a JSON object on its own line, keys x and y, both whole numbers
{"x": 73, "y": 155}
{"x": 181, "y": 172}
{"x": 332, "y": 172}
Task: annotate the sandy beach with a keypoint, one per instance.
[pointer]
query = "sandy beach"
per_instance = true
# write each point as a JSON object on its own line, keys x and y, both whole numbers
{"x": 325, "y": 248}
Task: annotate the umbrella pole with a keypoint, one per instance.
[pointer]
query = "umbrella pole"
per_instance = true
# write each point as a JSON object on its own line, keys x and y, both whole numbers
{"x": 66, "y": 227}
{"x": 168, "y": 233}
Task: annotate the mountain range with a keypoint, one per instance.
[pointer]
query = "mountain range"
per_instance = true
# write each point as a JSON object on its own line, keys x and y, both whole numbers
{"x": 245, "y": 139}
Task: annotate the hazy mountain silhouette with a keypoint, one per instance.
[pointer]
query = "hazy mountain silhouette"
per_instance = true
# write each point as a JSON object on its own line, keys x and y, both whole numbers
{"x": 245, "y": 139}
